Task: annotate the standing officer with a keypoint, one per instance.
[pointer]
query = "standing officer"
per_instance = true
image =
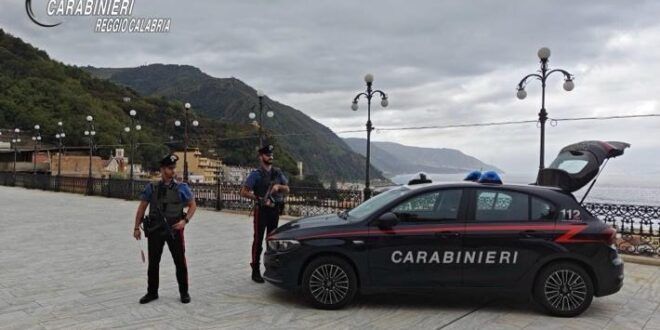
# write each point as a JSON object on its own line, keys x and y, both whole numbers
{"x": 165, "y": 223}
{"x": 266, "y": 187}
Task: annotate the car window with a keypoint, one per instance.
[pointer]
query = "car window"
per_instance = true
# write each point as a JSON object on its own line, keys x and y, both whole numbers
{"x": 542, "y": 210}
{"x": 376, "y": 203}
{"x": 496, "y": 205}
{"x": 572, "y": 166}
{"x": 439, "y": 205}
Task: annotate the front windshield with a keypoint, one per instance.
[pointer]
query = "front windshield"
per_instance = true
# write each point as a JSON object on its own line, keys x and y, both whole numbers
{"x": 375, "y": 203}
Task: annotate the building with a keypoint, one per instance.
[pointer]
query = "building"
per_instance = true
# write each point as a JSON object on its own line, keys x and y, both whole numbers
{"x": 236, "y": 174}
{"x": 78, "y": 165}
{"x": 119, "y": 166}
{"x": 112, "y": 165}
{"x": 25, "y": 157}
{"x": 75, "y": 162}
{"x": 350, "y": 185}
{"x": 300, "y": 170}
{"x": 200, "y": 169}
{"x": 24, "y": 160}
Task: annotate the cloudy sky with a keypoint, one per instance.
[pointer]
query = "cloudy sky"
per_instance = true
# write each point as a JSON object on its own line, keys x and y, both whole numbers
{"x": 441, "y": 62}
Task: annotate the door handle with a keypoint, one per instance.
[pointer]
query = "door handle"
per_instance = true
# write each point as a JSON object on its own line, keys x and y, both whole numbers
{"x": 529, "y": 233}
{"x": 448, "y": 234}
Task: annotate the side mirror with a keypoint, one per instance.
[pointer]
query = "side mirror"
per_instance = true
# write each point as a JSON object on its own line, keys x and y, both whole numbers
{"x": 387, "y": 220}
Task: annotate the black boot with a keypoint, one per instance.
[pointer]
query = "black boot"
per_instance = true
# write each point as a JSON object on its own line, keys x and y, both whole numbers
{"x": 256, "y": 274}
{"x": 185, "y": 298}
{"x": 148, "y": 298}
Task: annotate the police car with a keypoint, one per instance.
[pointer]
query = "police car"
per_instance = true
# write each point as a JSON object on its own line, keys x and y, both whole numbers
{"x": 533, "y": 240}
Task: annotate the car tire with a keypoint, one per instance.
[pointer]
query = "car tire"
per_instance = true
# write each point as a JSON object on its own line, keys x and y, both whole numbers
{"x": 329, "y": 283}
{"x": 563, "y": 289}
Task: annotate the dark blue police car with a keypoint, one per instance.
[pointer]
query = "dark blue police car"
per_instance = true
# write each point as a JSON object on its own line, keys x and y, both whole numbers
{"x": 534, "y": 240}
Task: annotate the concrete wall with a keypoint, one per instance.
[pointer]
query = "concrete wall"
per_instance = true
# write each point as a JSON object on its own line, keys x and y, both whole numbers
{"x": 77, "y": 165}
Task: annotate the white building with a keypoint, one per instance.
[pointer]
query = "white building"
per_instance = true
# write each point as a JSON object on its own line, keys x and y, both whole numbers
{"x": 236, "y": 174}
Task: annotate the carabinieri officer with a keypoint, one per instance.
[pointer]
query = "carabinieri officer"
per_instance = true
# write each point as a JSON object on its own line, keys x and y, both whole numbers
{"x": 165, "y": 224}
{"x": 266, "y": 187}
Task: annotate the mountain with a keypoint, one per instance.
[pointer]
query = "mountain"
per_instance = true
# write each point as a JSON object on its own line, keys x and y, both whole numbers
{"x": 35, "y": 89}
{"x": 230, "y": 100}
{"x": 394, "y": 159}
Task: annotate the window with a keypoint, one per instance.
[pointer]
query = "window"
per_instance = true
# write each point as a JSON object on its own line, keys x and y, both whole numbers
{"x": 494, "y": 205}
{"x": 375, "y": 203}
{"x": 572, "y": 162}
{"x": 433, "y": 206}
{"x": 573, "y": 166}
{"x": 542, "y": 210}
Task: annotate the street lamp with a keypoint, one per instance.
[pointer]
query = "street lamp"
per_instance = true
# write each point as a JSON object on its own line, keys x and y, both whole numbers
{"x": 128, "y": 130}
{"x": 15, "y": 140}
{"x": 90, "y": 133}
{"x": 544, "y": 73}
{"x": 369, "y": 93}
{"x": 269, "y": 114}
{"x": 178, "y": 123}
{"x": 36, "y": 139}
{"x": 59, "y": 136}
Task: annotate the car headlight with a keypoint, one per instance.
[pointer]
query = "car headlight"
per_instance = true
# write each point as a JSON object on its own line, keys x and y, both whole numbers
{"x": 283, "y": 245}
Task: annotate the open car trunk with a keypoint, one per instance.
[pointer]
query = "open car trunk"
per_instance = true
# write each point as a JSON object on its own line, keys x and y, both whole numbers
{"x": 577, "y": 164}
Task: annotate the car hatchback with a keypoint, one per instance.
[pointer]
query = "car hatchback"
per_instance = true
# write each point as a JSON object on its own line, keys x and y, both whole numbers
{"x": 525, "y": 239}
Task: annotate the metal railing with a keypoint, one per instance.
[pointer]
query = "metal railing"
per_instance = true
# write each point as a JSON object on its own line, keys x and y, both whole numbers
{"x": 638, "y": 225}
{"x": 301, "y": 201}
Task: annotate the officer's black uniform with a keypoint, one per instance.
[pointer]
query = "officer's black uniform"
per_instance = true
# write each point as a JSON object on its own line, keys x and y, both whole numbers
{"x": 266, "y": 218}
{"x": 167, "y": 200}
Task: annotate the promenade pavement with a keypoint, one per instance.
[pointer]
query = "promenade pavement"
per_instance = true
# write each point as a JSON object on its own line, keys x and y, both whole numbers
{"x": 69, "y": 262}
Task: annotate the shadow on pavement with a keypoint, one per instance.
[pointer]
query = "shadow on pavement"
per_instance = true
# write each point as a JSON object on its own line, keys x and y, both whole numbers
{"x": 468, "y": 301}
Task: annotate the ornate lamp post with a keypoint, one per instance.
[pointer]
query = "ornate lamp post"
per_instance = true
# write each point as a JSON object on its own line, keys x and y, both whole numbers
{"x": 129, "y": 131}
{"x": 36, "y": 138}
{"x": 219, "y": 203}
{"x": 60, "y": 145}
{"x": 60, "y": 135}
{"x": 15, "y": 140}
{"x": 544, "y": 73}
{"x": 260, "y": 121}
{"x": 369, "y": 93}
{"x": 178, "y": 123}
{"x": 90, "y": 133}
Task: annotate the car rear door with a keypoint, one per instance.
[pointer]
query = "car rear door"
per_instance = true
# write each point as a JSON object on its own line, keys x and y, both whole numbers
{"x": 419, "y": 250}
{"x": 507, "y": 232}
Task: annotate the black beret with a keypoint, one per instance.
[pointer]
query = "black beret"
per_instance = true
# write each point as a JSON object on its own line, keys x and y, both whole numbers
{"x": 169, "y": 160}
{"x": 267, "y": 149}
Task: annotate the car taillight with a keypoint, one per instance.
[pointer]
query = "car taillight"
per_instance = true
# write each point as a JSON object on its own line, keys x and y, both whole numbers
{"x": 609, "y": 235}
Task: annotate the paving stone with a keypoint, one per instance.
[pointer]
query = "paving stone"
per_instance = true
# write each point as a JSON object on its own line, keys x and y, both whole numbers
{"x": 72, "y": 264}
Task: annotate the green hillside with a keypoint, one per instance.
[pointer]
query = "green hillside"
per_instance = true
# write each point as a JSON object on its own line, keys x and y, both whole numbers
{"x": 230, "y": 100}
{"x": 37, "y": 89}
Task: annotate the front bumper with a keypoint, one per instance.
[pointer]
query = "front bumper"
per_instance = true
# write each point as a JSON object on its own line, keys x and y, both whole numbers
{"x": 283, "y": 269}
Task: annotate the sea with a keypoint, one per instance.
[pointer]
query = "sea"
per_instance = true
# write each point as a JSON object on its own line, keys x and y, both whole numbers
{"x": 609, "y": 188}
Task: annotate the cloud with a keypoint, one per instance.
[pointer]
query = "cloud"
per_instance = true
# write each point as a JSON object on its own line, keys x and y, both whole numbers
{"x": 441, "y": 62}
